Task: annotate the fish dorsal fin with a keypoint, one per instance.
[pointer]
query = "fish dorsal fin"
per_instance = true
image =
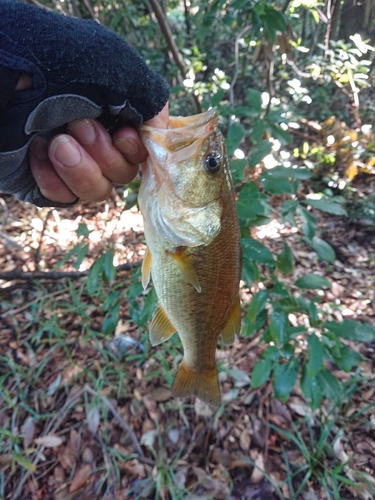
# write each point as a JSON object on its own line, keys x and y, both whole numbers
{"x": 185, "y": 265}
{"x": 146, "y": 269}
{"x": 161, "y": 328}
{"x": 232, "y": 326}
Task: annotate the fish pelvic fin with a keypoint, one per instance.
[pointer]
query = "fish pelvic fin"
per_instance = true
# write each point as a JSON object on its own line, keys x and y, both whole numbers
{"x": 161, "y": 328}
{"x": 204, "y": 386}
{"x": 232, "y": 325}
{"x": 185, "y": 265}
{"x": 146, "y": 269}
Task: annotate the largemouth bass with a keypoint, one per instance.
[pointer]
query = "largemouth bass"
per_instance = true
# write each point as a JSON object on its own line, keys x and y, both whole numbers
{"x": 192, "y": 233}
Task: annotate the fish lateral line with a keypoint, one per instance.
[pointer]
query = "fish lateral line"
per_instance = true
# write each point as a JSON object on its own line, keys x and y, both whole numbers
{"x": 186, "y": 266}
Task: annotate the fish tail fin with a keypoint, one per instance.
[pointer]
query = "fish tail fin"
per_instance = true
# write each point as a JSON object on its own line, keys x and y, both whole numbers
{"x": 204, "y": 386}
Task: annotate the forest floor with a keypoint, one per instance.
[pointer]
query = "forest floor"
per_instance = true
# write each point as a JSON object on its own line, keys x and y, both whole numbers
{"x": 90, "y": 415}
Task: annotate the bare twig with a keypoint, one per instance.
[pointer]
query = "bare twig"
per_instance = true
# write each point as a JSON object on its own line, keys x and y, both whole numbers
{"x": 177, "y": 56}
{"x": 236, "y": 64}
{"x": 37, "y": 252}
{"x": 57, "y": 275}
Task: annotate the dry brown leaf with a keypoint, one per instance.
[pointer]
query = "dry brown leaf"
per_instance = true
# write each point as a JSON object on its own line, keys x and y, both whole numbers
{"x": 161, "y": 394}
{"x": 258, "y": 471}
{"x": 80, "y": 478}
{"x": 245, "y": 440}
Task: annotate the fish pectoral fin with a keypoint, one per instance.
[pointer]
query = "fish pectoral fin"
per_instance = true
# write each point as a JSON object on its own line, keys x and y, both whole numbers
{"x": 146, "y": 269}
{"x": 185, "y": 265}
{"x": 232, "y": 326}
{"x": 204, "y": 386}
{"x": 161, "y": 328}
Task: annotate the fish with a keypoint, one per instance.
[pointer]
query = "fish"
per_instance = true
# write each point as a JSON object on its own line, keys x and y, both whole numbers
{"x": 193, "y": 246}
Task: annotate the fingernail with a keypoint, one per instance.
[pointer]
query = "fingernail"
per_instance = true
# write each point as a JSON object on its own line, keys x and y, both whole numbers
{"x": 39, "y": 148}
{"x": 64, "y": 151}
{"x": 83, "y": 131}
{"x": 128, "y": 146}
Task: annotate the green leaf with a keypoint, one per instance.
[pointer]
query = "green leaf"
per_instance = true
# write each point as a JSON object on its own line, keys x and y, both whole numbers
{"x": 249, "y": 205}
{"x": 110, "y": 320}
{"x": 275, "y": 18}
{"x": 24, "y": 462}
{"x": 285, "y": 377}
{"x": 329, "y": 207}
{"x": 235, "y": 135}
{"x": 83, "y": 230}
{"x": 348, "y": 358}
{"x": 259, "y": 152}
{"x": 281, "y": 172}
{"x": 93, "y": 278}
{"x": 254, "y": 99}
{"x": 329, "y": 385}
{"x": 275, "y": 186}
{"x": 311, "y": 389}
{"x": 257, "y": 304}
{"x": 108, "y": 267}
{"x": 250, "y": 271}
{"x": 254, "y": 250}
{"x": 292, "y": 304}
{"x": 323, "y": 249}
{"x": 280, "y": 134}
{"x": 278, "y": 323}
{"x": 308, "y": 222}
{"x": 216, "y": 98}
{"x": 315, "y": 350}
{"x": 352, "y": 330}
{"x": 261, "y": 372}
{"x": 258, "y": 130}
{"x": 237, "y": 169}
{"x": 285, "y": 260}
{"x": 313, "y": 282}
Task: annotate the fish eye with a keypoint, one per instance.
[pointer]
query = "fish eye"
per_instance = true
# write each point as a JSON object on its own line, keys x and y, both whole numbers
{"x": 213, "y": 163}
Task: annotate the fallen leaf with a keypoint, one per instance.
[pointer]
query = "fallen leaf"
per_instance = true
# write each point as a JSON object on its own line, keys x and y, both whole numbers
{"x": 161, "y": 394}
{"x": 48, "y": 441}
{"x": 258, "y": 471}
{"x": 80, "y": 478}
{"x": 28, "y": 430}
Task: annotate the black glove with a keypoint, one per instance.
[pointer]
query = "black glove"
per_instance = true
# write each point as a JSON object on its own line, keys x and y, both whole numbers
{"x": 80, "y": 69}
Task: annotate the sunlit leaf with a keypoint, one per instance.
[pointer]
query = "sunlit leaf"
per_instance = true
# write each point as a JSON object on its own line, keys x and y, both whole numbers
{"x": 235, "y": 135}
{"x": 254, "y": 250}
{"x": 326, "y": 206}
{"x": 315, "y": 355}
{"x": 259, "y": 152}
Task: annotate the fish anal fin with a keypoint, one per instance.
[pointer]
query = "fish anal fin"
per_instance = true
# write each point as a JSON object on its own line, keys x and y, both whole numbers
{"x": 204, "y": 386}
{"x": 146, "y": 269}
{"x": 232, "y": 325}
{"x": 161, "y": 328}
{"x": 186, "y": 266}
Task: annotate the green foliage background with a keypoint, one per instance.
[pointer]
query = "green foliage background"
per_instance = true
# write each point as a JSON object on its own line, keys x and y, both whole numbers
{"x": 268, "y": 67}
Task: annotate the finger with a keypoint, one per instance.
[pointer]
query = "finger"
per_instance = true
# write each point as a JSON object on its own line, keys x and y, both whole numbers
{"x": 50, "y": 184}
{"x": 128, "y": 142}
{"x": 119, "y": 166}
{"x": 78, "y": 169}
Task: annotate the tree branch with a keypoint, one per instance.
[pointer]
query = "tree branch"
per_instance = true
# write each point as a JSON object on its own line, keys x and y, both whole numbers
{"x": 57, "y": 275}
{"x": 177, "y": 56}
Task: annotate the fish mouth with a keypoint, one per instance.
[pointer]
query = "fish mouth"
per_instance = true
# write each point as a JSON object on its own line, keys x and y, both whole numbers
{"x": 183, "y": 131}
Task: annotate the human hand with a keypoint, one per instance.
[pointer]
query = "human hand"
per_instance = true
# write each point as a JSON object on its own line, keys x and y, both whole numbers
{"x": 95, "y": 74}
{"x": 86, "y": 162}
